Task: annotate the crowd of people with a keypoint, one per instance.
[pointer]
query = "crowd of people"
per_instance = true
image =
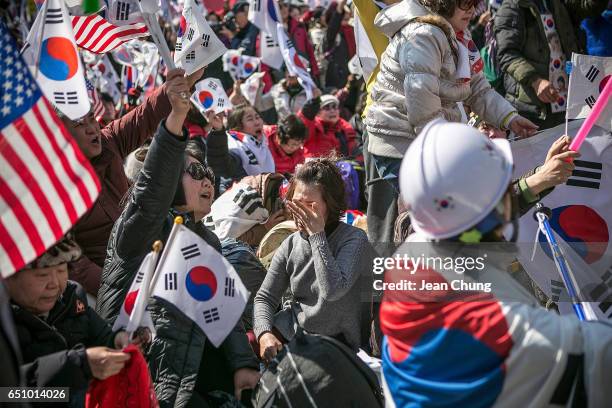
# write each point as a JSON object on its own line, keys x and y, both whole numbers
{"x": 342, "y": 178}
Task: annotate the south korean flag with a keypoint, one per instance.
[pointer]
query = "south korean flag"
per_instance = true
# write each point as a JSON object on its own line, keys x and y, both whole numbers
{"x": 271, "y": 54}
{"x": 124, "y": 12}
{"x": 581, "y": 218}
{"x": 210, "y": 95}
{"x": 133, "y": 313}
{"x": 54, "y": 61}
{"x": 248, "y": 65}
{"x": 239, "y": 66}
{"x": 296, "y": 66}
{"x": 588, "y": 77}
{"x": 201, "y": 283}
{"x": 251, "y": 87}
{"x": 196, "y": 43}
{"x": 231, "y": 63}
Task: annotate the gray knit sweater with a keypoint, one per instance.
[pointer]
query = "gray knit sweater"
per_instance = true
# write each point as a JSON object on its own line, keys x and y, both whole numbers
{"x": 329, "y": 278}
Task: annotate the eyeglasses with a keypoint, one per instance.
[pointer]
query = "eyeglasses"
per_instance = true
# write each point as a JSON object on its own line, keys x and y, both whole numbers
{"x": 198, "y": 171}
{"x": 331, "y": 106}
{"x": 466, "y": 5}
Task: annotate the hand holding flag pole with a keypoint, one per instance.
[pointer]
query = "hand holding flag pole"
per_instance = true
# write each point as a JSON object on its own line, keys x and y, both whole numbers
{"x": 542, "y": 215}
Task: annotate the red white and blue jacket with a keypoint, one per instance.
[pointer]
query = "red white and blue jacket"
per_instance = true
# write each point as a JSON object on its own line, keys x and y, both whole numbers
{"x": 444, "y": 347}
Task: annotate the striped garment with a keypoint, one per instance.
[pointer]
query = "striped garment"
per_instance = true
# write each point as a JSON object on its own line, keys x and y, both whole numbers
{"x": 46, "y": 183}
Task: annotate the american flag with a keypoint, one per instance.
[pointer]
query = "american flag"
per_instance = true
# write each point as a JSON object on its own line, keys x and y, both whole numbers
{"x": 95, "y": 34}
{"x": 46, "y": 183}
{"x": 96, "y": 102}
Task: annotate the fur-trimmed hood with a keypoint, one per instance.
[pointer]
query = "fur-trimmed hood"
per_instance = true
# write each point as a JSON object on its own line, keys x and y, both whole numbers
{"x": 393, "y": 18}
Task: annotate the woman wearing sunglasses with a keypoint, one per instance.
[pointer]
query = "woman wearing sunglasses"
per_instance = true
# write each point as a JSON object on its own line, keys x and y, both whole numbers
{"x": 174, "y": 180}
{"x": 328, "y": 132}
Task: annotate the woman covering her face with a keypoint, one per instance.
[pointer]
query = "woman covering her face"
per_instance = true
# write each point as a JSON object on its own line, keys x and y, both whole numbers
{"x": 326, "y": 264}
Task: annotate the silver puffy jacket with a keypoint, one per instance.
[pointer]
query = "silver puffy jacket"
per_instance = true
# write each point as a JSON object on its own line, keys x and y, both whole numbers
{"x": 416, "y": 82}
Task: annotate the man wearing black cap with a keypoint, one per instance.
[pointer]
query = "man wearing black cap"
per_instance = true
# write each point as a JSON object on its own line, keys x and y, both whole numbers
{"x": 246, "y": 36}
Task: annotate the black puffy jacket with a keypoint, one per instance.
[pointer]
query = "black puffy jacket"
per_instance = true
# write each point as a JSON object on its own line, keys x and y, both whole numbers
{"x": 53, "y": 349}
{"x": 176, "y": 353}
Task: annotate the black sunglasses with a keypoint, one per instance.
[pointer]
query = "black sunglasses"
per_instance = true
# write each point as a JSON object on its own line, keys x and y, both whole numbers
{"x": 198, "y": 171}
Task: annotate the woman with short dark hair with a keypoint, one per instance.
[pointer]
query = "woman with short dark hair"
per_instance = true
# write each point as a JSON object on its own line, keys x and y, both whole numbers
{"x": 286, "y": 143}
{"x": 326, "y": 265}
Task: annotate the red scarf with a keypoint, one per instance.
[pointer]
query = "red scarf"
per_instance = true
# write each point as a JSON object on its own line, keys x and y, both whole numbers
{"x": 132, "y": 387}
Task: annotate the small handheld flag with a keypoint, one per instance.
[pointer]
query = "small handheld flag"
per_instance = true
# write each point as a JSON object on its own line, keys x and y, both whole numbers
{"x": 201, "y": 283}
{"x": 133, "y": 312}
{"x": 51, "y": 55}
{"x": 589, "y": 75}
{"x": 96, "y": 34}
{"x": 251, "y": 86}
{"x": 239, "y": 66}
{"x": 197, "y": 45}
{"x": 210, "y": 95}
{"x": 294, "y": 63}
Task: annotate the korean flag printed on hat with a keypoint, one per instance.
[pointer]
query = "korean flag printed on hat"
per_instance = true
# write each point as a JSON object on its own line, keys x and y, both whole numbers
{"x": 201, "y": 283}
{"x": 54, "y": 61}
{"x": 197, "y": 45}
{"x": 210, "y": 95}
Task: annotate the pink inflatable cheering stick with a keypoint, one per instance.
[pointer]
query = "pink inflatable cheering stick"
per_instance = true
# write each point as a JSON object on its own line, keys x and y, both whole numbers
{"x": 599, "y": 106}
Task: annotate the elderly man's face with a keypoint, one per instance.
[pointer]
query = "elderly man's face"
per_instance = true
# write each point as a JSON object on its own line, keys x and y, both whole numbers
{"x": 38, "y": 289}
{"x": 86, "y": 132}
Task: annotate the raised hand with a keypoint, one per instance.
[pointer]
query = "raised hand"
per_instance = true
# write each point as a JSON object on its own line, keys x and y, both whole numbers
{"x": 308, "y": 219}
{"x": 523, "y": 127}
